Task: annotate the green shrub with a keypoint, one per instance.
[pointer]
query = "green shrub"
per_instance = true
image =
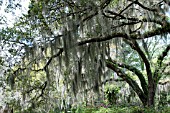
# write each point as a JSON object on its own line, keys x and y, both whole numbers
{"x": 111, "y": 93}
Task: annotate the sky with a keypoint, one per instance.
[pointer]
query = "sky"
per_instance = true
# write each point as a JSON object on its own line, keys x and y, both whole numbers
{"x": 11, "y": 17}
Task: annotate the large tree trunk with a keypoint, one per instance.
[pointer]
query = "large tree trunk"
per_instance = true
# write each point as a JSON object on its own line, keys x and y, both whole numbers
{"x": 151, "y": 93}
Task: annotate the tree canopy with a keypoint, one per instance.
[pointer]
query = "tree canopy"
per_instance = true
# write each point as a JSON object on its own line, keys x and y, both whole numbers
{"x": 64, "y": 50}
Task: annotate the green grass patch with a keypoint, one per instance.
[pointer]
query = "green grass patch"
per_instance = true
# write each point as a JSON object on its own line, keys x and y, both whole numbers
{"x": 114, "y": 109}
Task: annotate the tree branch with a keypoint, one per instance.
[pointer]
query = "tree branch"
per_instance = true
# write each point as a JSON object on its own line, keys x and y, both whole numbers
{"x": 119, "y": 14}
{"x": 134, "y": 45}
{"x": 165, "y": 29}
{"x": 135, "y": 71}
{"x": 132, "y": 19}
{"x": 105, "y": 3}
{"x": 144, "y": 7}
{"x": 159, "y": 63}
{"x": 163, "y": 55}
{"x": 145, "y": 47}
{"x": 129, "y": 80}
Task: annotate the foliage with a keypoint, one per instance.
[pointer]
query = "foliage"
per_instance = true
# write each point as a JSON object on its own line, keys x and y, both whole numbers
{"x": 132, "y": 109}
{"x": 65, "y": 51}
{"x": 163, "y": 99}
{"x": 111, "y": 93}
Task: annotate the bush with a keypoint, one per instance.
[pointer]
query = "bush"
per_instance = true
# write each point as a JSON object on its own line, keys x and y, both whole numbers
{"x": 111, "y": 93}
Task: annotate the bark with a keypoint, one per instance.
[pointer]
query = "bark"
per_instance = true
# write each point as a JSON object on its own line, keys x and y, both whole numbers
{"x": 156, "y": 76}
{"x": 151, "y": 93}
{"x": 159, "y": 63}
{"x": 129, "y": 80}
{"x": 151, "y": 81}
{"x": 137, "y": 72}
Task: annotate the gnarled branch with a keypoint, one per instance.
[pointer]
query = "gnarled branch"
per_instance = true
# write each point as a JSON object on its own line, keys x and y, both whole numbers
{"x": 135, "y": 71}
{"x": 129, "y": 80}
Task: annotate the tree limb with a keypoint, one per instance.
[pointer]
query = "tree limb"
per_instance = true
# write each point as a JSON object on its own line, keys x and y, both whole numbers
{"x": 129, "y": 80}
{"x": 165, "y": 29}
{"x": 163, "y": 55}
{"x": 135, "y": 71}
{"x": 134, "y": 45}
{"x": 159, "y": 63}
{"x": 144, "y": 7}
